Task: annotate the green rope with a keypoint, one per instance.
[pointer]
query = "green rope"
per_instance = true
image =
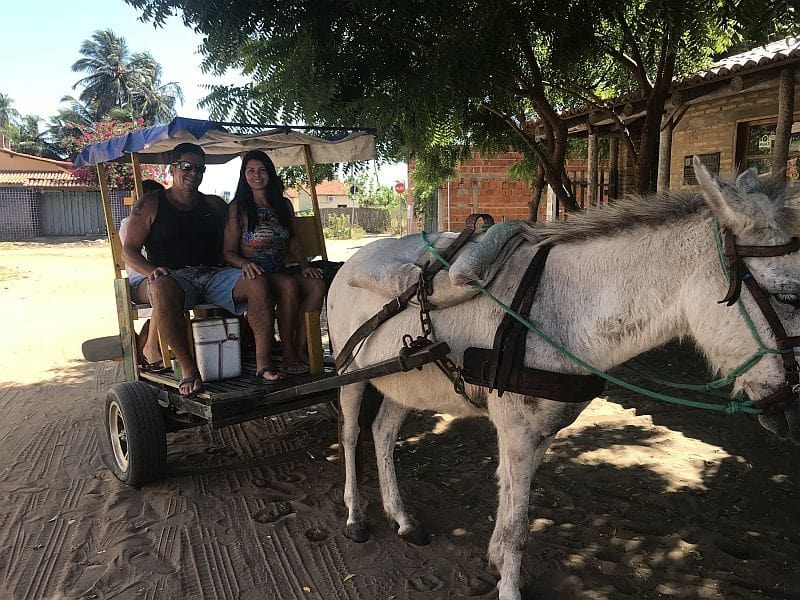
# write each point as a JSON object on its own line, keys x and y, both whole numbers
{"x": 733, "y": 407}
{"x": 709, "y": 389}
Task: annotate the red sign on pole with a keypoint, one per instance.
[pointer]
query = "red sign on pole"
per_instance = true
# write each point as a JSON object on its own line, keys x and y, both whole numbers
{"x": 399, "y": 187}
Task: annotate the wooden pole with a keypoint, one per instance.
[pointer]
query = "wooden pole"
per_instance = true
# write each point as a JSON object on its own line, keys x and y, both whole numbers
{"x": 113, "y": 235}
{"x": 137, "y": 176}
{"x": 664, "y": 155}
{"x": 613, "y": 168}
{"x": 314, "y": 201}
{"x": 591, "y": 180}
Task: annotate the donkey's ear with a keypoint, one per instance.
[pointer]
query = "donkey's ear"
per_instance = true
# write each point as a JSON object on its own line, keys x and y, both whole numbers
{"x": 723, "y": 198}
{"x": 749, "y": 182}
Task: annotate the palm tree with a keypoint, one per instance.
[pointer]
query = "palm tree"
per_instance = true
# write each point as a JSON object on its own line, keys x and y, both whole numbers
{"x": 153, "y": 100}
{"x": 118, "y": 79}
{"x": 7, "y": 111}
{"x": 109, "y": 80}
{"x": 27, "y": 139}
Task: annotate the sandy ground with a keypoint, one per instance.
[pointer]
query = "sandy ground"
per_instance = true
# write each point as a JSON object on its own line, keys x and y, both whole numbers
{"x": 636, "y": 500}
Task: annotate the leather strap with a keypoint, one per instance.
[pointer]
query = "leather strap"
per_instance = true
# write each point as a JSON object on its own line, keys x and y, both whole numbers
{"x": 400, "y": 303}
{"x": 562, "y": 387}
{"x": 774, "y": 322}
{"x": 508, "y": 349}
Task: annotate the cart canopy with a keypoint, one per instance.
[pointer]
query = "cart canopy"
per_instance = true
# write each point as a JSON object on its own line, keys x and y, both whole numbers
{"x": 283, "y": 144}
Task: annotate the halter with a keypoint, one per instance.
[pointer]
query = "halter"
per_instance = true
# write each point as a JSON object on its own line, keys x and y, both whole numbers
{"x": 732, "y": 257}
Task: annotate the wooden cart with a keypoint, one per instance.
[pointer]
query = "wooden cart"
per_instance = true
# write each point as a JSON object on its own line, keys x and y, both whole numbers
{"x": 140, "y": 411}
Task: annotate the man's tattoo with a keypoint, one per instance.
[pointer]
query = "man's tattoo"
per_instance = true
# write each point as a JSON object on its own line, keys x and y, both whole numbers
{"x": 138, "y": 208}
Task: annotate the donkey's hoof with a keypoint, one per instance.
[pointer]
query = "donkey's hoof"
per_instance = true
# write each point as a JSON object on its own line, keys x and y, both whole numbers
{"x": 358, "y": 532}
{"x": 417, "y": 536}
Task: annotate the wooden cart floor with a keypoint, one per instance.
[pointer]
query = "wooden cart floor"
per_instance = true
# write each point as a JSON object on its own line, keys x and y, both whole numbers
{"x": 245, "y": 397}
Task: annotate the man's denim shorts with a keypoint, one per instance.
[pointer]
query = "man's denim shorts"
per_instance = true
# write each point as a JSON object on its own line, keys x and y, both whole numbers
{"x": 210, "y": 285}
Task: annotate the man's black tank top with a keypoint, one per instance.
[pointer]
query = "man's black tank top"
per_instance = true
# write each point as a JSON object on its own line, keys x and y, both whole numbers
{"x": 184, "y": 238}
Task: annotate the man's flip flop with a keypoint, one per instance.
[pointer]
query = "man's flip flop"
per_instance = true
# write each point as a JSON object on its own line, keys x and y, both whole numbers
{"x": 153, "y": 367}
{"x": 272, "y": 373}
{"x": 193, "y": 380}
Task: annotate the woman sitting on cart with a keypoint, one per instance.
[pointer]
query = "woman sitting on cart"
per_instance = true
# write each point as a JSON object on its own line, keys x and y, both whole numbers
{"x": 259, "y": 234}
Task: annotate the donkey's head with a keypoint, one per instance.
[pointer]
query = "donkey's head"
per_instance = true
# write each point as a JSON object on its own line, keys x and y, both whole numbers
{"x": 755, "y": 213}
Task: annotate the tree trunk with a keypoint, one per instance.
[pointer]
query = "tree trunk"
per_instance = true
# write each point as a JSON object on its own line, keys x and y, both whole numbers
{"x": 783, "y": 132}
{"x": 536, "y": 195}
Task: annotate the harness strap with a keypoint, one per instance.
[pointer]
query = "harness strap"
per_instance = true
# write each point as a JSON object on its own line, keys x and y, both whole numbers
{"x": 774, "y": 322}
{"x": 508, "y": 349}
{"x": 399, "y": 303}
{"x": 561, "y": 387}
{"x": 735, "y": 253}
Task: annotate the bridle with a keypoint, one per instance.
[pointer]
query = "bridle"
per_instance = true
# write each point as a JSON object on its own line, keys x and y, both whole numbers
{"x": 738, "y": 272}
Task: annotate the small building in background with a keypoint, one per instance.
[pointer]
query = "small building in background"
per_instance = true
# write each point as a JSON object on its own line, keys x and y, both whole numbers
{"x": 331, "y": 193}
{"x": 40, "y": 197}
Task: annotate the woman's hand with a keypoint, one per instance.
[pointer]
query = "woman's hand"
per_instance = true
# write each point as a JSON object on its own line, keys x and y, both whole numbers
{"x": 250, "y": 270}
{"x": 311, "y": 273}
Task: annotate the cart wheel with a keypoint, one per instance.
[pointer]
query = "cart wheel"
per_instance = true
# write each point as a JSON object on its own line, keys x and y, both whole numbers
{"x": 135, "y": 432}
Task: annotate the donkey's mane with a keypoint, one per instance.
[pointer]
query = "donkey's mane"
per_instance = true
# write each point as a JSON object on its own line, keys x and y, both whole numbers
{"x": 623, "y": 215}
{"x": 657, "y": 210}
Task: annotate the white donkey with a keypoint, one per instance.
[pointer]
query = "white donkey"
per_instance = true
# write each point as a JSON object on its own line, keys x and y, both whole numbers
{"x": 619, "y": 281}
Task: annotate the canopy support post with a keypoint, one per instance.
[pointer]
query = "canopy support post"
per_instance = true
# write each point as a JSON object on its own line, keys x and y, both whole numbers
{"x": 314, "y": 201}
{"x": 137, "y": 177}
{"x": 122, "y": 293}
{"x": 113, "y": 235}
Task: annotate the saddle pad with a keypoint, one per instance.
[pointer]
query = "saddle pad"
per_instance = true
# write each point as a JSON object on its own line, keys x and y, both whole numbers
{"x": 389, "y": 267}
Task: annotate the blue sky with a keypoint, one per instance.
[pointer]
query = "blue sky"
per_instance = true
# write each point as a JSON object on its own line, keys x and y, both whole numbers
{"x": 39, "y": 41}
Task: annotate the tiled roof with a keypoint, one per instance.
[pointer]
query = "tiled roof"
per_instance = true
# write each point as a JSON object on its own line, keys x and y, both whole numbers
{"x": 738, "y": 64}
{"x": 331, "y": 187}
{"x": 41, "y": 179}
{"x": 772, "y": 53}
{"x": 328, "y": 187}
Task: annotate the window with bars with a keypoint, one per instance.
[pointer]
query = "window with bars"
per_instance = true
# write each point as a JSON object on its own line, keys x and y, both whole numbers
{"x": 756, "y": 140}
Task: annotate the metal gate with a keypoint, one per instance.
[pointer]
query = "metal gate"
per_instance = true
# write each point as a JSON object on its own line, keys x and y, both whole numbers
{"x": 72, "y": 213}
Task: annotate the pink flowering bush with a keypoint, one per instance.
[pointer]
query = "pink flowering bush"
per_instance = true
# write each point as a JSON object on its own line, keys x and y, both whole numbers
{"x": 120, "y": 176}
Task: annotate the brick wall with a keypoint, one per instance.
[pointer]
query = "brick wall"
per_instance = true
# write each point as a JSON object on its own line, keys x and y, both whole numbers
{"x": 711, "y": 126}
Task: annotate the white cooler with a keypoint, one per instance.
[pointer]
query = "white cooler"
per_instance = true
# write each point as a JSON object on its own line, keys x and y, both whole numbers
{"x": 217, "y": 349}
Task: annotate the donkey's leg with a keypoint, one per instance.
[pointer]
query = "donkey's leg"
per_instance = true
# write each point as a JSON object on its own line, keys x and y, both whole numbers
{"x": 385, "y": 429}
{"x": 349, "y": 406}
{"x": 521, "y": 449}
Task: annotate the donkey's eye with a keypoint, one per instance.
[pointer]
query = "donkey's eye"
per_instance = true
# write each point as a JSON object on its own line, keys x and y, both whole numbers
{"x": 785, "y": 298}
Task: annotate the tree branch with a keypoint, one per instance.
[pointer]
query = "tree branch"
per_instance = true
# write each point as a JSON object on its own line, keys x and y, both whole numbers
{"x": 641, "y": 72}
{"x": 590, "y": 98}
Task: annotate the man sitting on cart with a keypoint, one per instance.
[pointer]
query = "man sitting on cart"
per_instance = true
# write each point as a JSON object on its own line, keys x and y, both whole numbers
{"x": 182, "y": 231}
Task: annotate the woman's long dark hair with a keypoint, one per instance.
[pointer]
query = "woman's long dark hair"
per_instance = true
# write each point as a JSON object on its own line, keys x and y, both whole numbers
{"x": 246, "y": 205}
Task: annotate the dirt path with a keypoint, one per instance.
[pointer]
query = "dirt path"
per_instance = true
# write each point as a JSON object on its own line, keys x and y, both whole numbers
{"x": 636, "y": 500}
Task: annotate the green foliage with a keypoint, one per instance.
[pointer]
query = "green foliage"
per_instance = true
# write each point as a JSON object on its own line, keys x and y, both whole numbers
{"x": 22, "y": 132}
{"x": 465, "y": 75}
{"x": 297, "y": 175}
{"x": 370, "y": 194}
{"x": 339, "y": 228}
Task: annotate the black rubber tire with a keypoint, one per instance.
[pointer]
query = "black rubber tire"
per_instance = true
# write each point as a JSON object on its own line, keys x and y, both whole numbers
{"x": 135, "y": 433}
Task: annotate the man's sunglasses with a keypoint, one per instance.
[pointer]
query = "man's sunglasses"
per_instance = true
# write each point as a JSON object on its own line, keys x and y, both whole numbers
{"x": 185, "y": 165}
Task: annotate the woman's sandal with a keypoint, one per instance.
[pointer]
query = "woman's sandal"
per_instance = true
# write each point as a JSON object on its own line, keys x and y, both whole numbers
{"x": 273, "y": 374}
{"x": 296, "y": 368}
